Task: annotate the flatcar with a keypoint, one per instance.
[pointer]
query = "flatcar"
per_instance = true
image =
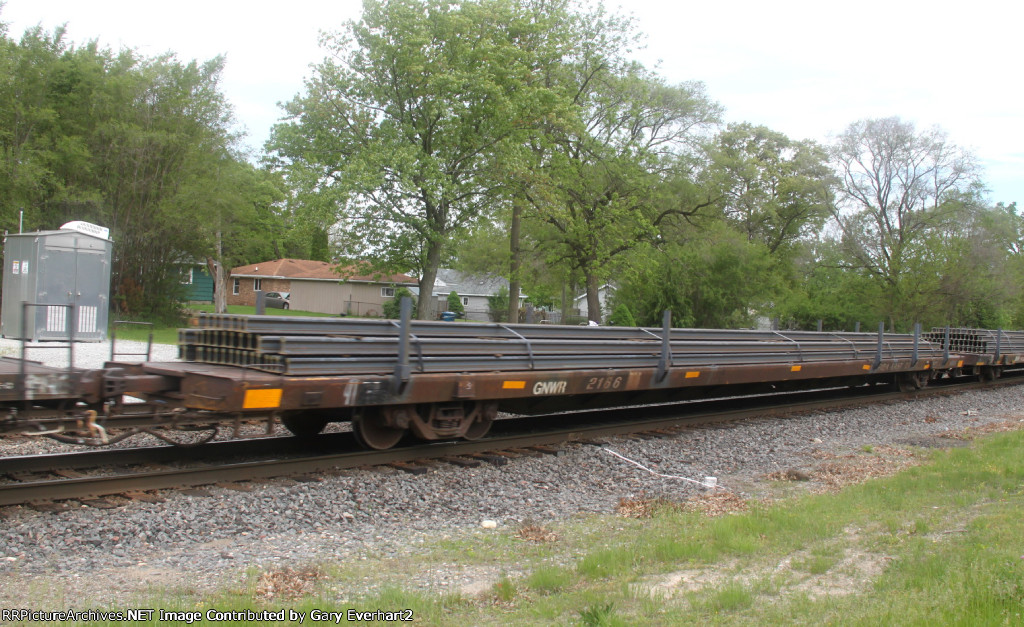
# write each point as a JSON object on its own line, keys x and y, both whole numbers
{"x": 439, "y": 380}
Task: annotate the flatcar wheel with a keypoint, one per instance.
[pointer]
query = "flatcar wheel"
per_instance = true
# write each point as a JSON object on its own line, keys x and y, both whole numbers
{"x": 990, "y": 373}
{"x": 372, "y": 431}
{"x": 908, "y": 382}
{"x": 478, "y": 429}
{"x": 304, "y": 426}
{"x": 482, "y": 421}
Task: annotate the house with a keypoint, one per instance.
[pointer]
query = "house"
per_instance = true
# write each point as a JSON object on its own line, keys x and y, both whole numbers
{"x": 316, "y": 286}
{"x": 604, "y": 293}
{"x": 473, "y": 290}
{"x": 199, "y": 284}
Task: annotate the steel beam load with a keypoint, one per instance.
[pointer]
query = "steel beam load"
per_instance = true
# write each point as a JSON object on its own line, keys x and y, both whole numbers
{"x": 325, "y": 346}
{"x": 979, "y": 341}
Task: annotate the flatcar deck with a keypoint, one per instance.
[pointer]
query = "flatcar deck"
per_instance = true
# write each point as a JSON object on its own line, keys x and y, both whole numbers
{"x": 23, "y": 380}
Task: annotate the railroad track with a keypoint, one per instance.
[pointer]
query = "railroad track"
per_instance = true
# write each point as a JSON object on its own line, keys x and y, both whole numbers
{"x": 58, "y": 477}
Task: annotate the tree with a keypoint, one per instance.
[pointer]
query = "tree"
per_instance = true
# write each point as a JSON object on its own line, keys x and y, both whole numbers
{"x": 602, "y": 174}
{"x": 241, "y": 220}
{"x": 900, "y": 185}
{"x": 398, "y": 132}
{"x": 129, "y": 142}
{"x": 824, "y": 288}
{"x": 772, "y": 189}
{"x": 621, "y": 317}
{"x": 708, "y": 278}
{"x": 455, "y": 304}
{"x": 497, "y": 305}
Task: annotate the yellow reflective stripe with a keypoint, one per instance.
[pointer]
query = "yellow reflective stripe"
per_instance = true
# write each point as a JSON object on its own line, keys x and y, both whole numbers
{"x": 795, "y": 368}
{"x": 513, "y": 385}
{"x": 692, "y": 375}
{"x": 262, "y": 399}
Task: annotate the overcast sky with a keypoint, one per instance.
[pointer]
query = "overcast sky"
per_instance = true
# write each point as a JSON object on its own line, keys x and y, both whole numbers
{"x": 804, "y": 68}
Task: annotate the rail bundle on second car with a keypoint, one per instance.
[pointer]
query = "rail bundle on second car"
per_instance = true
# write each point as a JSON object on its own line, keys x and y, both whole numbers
{"x": 438, "y": 380}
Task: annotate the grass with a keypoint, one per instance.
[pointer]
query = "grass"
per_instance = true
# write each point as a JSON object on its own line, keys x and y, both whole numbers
{"x": 163, "y": 334}
{"x": 939, "y": 543}
{"x": 270, "y": 311}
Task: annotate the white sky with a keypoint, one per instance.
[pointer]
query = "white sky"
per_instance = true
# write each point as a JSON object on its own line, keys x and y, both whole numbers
{"x": 804, "y": 68}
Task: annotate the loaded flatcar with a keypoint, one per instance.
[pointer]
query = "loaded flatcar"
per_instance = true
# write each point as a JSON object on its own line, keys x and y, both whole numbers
{"x": 438, "y": 380}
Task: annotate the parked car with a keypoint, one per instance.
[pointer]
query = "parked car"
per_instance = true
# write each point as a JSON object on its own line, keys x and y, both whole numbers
{"x": 278, "y": 300}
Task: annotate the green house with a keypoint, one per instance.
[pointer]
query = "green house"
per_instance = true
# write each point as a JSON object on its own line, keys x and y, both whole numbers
{"x": 199, "y": 282}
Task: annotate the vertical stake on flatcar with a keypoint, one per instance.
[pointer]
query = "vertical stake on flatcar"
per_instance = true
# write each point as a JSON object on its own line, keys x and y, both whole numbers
{"x": 666, "y": 347}
{"x": 22, "y": 375}
{"x": 917, "y": 340}
{"x": 856, "y": 327}
{"x": 999, "y": 346}
{"x": 881, "y": 338}
{"x": 402, "y": 367}
{"x": 945, "y": 344}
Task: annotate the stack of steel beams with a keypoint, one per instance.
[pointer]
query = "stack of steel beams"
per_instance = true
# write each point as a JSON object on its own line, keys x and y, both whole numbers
{"x": 344, "y": 346}
{"x": 978, "y": 341}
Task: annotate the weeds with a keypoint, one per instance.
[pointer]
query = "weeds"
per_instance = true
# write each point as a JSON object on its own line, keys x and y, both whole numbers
{"x": 597, "y": 615}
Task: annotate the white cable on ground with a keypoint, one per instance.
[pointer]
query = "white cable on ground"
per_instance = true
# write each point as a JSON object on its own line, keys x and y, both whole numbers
{"x": 709, "y": 482}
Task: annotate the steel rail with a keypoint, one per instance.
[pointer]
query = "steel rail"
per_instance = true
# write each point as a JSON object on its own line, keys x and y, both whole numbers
{"x": 358, "y": 327}
{"x": 313, "y": 366}
{"x": 979, "y": 341}
{"x": 313, "y": 345}
{"x": 447, "y": 348}
{"x": 1013, "y": 341}
{"x": 80, "y": 460}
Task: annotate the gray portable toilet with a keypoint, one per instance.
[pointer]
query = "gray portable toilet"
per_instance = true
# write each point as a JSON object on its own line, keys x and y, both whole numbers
{"x": 54, "y": 269}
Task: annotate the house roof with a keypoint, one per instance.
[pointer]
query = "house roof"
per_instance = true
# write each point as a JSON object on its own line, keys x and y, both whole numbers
{"x": 306, "y": 269}
{"x": 465, "y": 284}
{"x": 606, "y": 288}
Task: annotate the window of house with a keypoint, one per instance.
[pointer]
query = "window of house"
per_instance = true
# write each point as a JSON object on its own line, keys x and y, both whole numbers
{"x": 387, "y": 292}
{"x": 257, "y": 285}
{"x": 235, "y": 285}
{"x": 465, "y": 300}
{"x": 186, "y": 277}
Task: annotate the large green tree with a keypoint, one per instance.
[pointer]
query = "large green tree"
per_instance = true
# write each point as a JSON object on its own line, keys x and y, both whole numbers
{"x": 140, "y": 145}
{"x": 611, "y": 172}
{"x": 399, "y": 132}
{"x": 900, "y": 187}
{"x": 773, "y": 189}
{"x": 710, "y": 278}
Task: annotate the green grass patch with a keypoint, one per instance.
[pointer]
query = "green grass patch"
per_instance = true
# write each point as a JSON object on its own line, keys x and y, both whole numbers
{"x": 729, "y": 598}
{"x": 168, "y": 334}
{"x": 818, "y": 563}
{"x": 548, "y": 579}
{"x": 162, "y": 334}
{"x": 246, "y": 310}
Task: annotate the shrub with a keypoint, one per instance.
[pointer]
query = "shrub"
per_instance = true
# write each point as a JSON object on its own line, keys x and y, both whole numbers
{"x": 455, "y": 304}
{"x": 497, "y": 305}
{"x": 622, "y": 317}
{"x": 393, "y": 308}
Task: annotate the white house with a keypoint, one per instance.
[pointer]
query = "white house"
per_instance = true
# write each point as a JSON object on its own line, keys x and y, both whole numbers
{"x": 473, "y": 290}
{"x": 604, "y": 293}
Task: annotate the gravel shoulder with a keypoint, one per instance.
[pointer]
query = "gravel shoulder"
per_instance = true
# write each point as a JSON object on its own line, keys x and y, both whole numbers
{"x": 86, "y": 557}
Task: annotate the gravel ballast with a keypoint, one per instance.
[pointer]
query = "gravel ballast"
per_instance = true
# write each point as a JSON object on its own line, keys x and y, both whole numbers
{"x": 110, "y": 557}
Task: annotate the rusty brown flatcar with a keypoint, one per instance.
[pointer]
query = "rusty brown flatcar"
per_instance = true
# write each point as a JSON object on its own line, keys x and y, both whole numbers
{"x": 441, "y": 380}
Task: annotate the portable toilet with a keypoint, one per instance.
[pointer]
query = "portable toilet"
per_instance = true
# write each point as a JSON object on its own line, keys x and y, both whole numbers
{"x": 65, "y": 274}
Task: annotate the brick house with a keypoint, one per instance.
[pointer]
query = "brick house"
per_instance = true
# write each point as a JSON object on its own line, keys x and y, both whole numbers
{"x": 316, "y": 286}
